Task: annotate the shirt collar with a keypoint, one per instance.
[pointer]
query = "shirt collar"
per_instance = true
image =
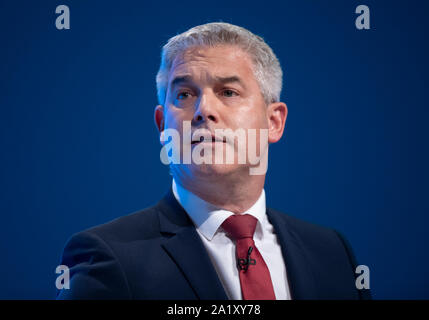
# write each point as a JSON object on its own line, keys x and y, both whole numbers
{"x": 207, "y": 217}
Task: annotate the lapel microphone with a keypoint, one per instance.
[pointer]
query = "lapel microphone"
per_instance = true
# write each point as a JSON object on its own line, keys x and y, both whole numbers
{"x": 243, "y": 264}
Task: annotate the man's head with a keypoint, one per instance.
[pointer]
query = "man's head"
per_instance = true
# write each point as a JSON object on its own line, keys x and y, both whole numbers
{"x": 266, "y": 67}
{"x": 219, "y": 76}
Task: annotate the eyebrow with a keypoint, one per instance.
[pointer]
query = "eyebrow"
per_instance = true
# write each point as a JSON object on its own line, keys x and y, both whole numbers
{"x": 229, "y": 80}
{"x": 180, "y": 79}
{"x": 187, "y": 79}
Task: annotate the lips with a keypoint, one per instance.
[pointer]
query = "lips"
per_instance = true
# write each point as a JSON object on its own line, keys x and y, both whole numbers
{"x": 213, "y": 139}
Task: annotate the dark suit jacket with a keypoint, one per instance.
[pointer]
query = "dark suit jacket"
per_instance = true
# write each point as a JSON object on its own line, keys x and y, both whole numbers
{"x": 156, "y": 253}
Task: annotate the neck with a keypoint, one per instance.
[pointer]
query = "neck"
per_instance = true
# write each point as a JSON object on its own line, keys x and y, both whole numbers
{"x": 232, "y": 194}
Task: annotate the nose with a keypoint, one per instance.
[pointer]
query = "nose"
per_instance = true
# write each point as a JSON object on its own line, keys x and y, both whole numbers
{"x": 205, "y": 110}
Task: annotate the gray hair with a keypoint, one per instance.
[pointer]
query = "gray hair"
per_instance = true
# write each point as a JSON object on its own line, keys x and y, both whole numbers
{"x": 266, "y": 66}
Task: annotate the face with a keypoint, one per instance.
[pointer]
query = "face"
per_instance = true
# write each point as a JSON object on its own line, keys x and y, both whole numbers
{"x": 215, "y": 88}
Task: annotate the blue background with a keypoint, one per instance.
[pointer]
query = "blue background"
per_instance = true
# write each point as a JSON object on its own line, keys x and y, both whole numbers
{"x": 79, "y": 146}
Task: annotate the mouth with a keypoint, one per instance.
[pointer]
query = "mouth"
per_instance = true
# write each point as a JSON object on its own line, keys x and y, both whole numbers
{"x": 213, "y": 139}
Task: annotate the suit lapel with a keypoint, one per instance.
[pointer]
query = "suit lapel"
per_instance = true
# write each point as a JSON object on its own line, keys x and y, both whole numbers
{"x": 184, "y": 246}
{"x": 300, "y": 276}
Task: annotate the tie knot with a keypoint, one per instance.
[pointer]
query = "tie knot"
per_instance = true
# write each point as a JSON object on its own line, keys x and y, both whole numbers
{"x": 240, "y": 226}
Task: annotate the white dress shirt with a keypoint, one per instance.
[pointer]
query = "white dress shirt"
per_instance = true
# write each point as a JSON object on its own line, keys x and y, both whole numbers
{"x": 208, "y": 218}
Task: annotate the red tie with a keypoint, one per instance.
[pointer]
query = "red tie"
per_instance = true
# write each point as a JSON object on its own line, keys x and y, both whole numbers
{"x": 255, "y": 277}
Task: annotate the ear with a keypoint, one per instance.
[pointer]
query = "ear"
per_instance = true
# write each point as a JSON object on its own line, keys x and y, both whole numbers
{"x": 277, "y": 114}
{"x": 159, "y": 119}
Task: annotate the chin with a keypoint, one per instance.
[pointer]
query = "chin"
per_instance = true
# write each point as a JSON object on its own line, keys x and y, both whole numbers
{"x": 215, "y": 170}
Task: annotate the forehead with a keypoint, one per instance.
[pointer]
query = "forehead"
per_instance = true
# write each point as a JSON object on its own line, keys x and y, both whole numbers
{"x": 213, "y": 62}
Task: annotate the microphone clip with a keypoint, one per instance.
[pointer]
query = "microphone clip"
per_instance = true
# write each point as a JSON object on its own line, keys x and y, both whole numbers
{"x": 243, "y": 264}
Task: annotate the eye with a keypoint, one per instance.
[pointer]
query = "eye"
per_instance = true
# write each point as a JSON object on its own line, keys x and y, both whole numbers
{"x": 229, "y": 93}
{"x": 183, "y": 95}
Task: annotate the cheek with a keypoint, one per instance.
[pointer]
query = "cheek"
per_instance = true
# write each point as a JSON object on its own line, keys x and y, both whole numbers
{"x": 247, "y": 120}
{"x": 173, "y": 119}
{"x": 251, "y": 114}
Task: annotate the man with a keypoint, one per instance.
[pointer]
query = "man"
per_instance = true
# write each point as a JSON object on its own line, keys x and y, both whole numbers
{"x": 211, "y": 236}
